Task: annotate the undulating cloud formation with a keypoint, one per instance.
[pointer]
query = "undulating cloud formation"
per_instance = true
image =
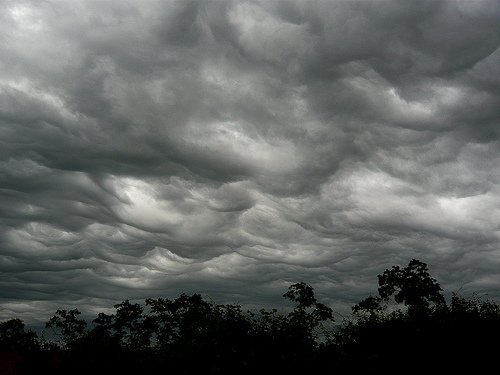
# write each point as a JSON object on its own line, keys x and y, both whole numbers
{"x": 149, "y": 148}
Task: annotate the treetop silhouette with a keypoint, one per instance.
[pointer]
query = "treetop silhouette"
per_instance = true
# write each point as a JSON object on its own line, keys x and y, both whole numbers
{"x": 190, "y": 334}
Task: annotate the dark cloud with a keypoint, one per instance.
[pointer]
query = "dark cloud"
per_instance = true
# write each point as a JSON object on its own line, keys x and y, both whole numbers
{"x": 232, "y": 148}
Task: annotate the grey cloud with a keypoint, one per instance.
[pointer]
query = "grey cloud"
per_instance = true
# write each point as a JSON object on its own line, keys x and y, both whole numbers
{"x": 232, "y": 148}
{"x": 231, "y": 197}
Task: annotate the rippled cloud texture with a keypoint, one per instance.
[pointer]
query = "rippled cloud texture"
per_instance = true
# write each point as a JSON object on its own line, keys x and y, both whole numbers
{"x": 231, "y": 148}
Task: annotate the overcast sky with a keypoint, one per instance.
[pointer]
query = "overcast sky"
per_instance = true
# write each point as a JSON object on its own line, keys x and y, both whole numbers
{"x": 149, "y": 148}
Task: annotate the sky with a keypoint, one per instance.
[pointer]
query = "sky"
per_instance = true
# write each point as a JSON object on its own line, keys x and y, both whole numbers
{"x": 231, "y": 148}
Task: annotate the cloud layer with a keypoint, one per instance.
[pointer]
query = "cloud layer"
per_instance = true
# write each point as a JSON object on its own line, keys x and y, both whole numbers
{"x": 231, "y": 148}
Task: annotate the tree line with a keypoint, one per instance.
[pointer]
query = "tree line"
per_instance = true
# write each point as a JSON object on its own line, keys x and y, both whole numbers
{"x": 407, "y": 326}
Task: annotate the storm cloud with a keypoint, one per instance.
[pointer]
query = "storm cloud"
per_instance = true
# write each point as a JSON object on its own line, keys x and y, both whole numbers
{"x": 231, "y": 148}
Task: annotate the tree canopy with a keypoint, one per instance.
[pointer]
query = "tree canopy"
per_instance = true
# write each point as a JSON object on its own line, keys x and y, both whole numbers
{"x": 191, "y": 334}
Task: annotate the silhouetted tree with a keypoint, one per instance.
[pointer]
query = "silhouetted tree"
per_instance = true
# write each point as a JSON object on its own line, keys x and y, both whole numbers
{"x": 130, "y": 326}
{"x": 181, "y": 319}
{"x": 200, "y": 334}
{"x": 192, "y": 335}
{"x": 67, "y": 326}
{"x": 308, "y": 312}
{"x": 411, "y": 285}
{"x": 103, "y": 337}
{"x": 104, "y": 322}
{"x": 467, "y": 308}
{"x": 14, "y": 336}
{"x": 307, "y": 317}
{"x": 370, "y": 308}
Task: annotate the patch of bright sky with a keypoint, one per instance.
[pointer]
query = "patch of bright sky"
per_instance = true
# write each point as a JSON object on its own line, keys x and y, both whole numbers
{"x": 26, "y": 18}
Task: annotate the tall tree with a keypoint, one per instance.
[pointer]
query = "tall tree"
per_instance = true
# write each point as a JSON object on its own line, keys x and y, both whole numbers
{"x": 411, "y": 285}
{"x": 67, "y": 326}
